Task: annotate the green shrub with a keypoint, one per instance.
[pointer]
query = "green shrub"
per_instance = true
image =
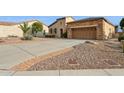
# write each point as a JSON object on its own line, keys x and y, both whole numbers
{"x": 65, "y": 35}
{"x": 27, "y": 37}
{"x": 121, "y": 38}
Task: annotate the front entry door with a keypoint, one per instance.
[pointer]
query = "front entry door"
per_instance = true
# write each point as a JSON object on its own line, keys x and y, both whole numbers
{"x": 61, "y": 32}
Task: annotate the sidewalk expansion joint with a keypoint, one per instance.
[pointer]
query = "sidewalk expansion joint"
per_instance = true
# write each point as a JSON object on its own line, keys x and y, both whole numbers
{"x": 25, "y": 51}
{"x": 107, "y": 72}
{"x": 13, "y": 73}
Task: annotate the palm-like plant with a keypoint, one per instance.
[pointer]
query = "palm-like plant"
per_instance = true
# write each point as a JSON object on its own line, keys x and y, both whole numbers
{"x": 25, "y": 28}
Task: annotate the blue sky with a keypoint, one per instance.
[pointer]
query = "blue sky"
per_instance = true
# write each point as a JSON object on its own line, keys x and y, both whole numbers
{"x": 49, "y": 19}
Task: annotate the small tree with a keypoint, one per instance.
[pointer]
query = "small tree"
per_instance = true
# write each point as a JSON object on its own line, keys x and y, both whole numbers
{"x": 36, "y": 27}
{"x": 122, "y": 24}
{"x": 25, "y": 28}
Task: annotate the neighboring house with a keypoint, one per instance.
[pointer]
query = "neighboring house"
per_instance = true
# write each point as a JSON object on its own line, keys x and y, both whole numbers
{"x": 58, "y": 28}
{"x": 12, "y": 29}
{"x": 91, "y": 28}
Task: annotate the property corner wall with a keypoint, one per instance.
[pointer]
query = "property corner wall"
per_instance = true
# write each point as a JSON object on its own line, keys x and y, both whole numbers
{"x": 100, "y": 33}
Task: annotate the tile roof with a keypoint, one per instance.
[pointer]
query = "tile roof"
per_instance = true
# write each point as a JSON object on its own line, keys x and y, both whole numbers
{"x": 92, "y": 19}
{"x": 56, "y": 21}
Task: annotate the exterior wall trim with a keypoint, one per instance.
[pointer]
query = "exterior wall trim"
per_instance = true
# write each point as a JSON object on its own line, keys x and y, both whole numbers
{"x": 84, "y": 26}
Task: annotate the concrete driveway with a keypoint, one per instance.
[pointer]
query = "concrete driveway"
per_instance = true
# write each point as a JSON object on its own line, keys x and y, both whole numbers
{"x": 13, "y": 54}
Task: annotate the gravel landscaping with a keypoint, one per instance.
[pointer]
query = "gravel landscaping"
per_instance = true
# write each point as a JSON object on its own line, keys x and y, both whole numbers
{"x": 99, "y": 55}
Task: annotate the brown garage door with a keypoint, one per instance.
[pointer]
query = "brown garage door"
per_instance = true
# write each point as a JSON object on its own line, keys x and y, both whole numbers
{"x": 84, "y": 33}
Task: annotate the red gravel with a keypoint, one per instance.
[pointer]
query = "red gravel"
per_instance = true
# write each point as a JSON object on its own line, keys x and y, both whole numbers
{"x": 10, "y": 40}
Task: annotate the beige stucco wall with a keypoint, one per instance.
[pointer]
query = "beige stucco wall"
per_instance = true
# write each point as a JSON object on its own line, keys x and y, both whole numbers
{"x": 14, "y": 30}
{"x": 60, "y": 24}
{"x": 45, "y": 28}
{"x": 109, "y": 30}
{"x": 5, "y": 31}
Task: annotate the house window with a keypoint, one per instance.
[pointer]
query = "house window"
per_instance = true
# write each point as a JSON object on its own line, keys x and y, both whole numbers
{"x": 55, "y": 30}
{"x": 61, "y": 32}
{"x": 50, "y": 30}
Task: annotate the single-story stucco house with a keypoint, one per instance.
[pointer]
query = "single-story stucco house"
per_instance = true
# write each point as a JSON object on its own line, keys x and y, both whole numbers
{"x": 58, "y": 28}
{"x": 91, "y": 28}
{"x": 12, "y": 29}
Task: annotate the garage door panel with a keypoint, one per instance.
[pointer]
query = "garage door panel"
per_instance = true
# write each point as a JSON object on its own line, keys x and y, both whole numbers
{"x": 84, "y": 33}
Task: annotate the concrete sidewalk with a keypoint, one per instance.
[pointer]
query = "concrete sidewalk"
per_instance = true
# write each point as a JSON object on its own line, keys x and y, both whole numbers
{"x": 85, "y": 72}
